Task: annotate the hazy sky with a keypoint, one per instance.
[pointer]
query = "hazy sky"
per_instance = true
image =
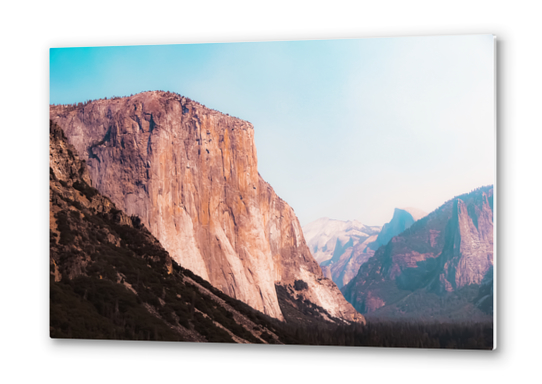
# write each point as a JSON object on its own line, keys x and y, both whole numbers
{"x": 345, "y": 129}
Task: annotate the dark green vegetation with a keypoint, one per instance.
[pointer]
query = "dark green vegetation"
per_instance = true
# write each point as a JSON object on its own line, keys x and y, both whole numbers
{"x": 382, "y": 333}
{"x": 90, "y": 308}
{"x": 300, "y": 285}
{"x": 297, "y": 310}
{"x": 132, "y": 289}
{"x": 127, "y": 290}
{"x": 425, "y": 306}
{"x": 111, "y": 279}
{"x": 303, "y": 322}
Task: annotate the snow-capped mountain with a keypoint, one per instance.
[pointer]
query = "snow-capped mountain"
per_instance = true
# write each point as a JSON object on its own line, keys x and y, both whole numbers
{"x": 340, "y": 247}
{"x": 327, "y": 237}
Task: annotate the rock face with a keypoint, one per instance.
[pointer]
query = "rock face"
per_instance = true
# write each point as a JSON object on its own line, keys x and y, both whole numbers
{"x": 190, "y": 173}
{"x": 111, "y": 279}
{"x": 468, "y": 250}
{"x": 340, "y": 246}
{"x": 439, "y": 268}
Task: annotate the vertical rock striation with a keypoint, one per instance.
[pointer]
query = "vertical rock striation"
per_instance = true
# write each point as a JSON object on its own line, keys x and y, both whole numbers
{"x": 190, "y": 173}
{"x": 468, "y": 251}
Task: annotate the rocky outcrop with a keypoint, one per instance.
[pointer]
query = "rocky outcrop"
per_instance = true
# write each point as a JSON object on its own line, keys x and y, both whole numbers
{"x": 468, "y": 251}
{"x": 435, "y": 268}
{"x": 190, "y": 173}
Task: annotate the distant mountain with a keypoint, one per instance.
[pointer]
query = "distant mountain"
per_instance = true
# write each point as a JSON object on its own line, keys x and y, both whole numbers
{"x": 327, "y": 238}
{"x": 341, "y": 247}
{"x": 402, "y": 219}
{"x": 440, "y": 268}
{"x": 332, "y": 244}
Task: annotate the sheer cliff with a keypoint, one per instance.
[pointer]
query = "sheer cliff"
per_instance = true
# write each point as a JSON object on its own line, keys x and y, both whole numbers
{"x": 111, "y": 279}
{"x": 190, "y": 173}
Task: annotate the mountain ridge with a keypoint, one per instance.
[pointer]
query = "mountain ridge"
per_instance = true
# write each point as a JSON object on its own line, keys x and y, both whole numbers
{"x": 341, "y": 247}
{"x": 443, "y": 257}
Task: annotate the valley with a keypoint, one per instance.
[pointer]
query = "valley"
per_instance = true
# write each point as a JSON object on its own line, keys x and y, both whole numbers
{"x": 161, "y": 228}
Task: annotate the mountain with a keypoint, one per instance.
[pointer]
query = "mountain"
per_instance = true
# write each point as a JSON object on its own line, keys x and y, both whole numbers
{"x": 111, "y": 279}
{"x": 327, "y": 237}
{"x": 340, "y": 246}
{"x": 190, "y": 174}
{"x": 440, "y": 268}
{"x": 401, "y": 220}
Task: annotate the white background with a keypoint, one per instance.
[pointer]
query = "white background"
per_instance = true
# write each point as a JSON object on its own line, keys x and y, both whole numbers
{"x": 28, "y": 30}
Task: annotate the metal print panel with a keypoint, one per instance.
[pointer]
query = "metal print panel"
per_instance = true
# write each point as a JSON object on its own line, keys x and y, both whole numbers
{"x": 332, "y": 192}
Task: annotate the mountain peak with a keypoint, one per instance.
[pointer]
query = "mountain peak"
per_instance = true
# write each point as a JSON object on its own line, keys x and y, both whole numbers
{"x": 402, "y": 219}
{"x": 416, "y": 213}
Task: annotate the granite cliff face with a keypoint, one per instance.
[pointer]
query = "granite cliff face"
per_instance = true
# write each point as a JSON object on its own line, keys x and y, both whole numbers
{"x": 439, "y": 268}
{"x": 468, "y": 250}
{"x": 111, "y": 279}
{"x": 190, "y": 173}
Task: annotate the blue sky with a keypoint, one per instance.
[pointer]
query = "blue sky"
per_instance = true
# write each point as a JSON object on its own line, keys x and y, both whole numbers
{"x": 346, "y": 129}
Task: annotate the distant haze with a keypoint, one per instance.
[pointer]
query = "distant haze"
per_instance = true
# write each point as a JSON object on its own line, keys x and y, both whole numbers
{"x": 345, "y": 129}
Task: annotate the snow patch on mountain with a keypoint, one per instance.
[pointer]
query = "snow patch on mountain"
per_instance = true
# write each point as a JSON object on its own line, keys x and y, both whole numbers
{"x": 327, "y": 236}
